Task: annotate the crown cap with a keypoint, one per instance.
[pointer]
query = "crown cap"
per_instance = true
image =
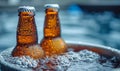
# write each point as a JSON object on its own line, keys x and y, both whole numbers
{"x": 26, "y": 9}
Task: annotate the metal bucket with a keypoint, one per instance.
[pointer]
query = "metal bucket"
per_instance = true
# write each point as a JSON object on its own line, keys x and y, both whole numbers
{"x": 76, "y": 46}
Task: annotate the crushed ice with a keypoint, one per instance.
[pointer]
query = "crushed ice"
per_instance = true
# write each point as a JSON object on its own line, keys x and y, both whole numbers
{"x": 24, "y": 61}
{"x": 75, "y": 61}
{"x": 83, "y": 60}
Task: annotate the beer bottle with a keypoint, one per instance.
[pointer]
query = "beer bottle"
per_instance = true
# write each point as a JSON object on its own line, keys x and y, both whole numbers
{"x": 52, "y": 43}
{"x": 27, "y": 38}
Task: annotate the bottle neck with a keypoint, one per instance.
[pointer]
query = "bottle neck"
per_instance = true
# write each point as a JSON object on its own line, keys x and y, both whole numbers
{"x": 26, "y": 17}
{"x": 26, "y": 30}
{"x": 52, "y": 23}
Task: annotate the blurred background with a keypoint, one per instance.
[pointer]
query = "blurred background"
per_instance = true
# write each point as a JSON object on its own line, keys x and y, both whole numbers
{"x": 91, "y": 21}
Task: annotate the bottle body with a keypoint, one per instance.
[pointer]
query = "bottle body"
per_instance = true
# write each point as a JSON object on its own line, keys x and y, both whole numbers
{"x": 27, "y": 38}
{"x": 52, "y": 43}
{"x": 53, "y": 46}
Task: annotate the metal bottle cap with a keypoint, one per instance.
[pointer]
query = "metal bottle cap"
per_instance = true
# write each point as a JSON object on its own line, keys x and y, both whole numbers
{"x": 51, "y": 6}
{"x": 26, "y": 9}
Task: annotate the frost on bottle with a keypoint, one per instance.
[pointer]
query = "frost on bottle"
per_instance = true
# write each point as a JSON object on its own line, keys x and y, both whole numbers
{"x": 27, "y": 39}
{"x": 52, "y": 43}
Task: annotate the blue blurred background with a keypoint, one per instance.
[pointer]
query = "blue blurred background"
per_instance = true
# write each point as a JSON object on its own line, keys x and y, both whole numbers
{"x": 91, "y": 21}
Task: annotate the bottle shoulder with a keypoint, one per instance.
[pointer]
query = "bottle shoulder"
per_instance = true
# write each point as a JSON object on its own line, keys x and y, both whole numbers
{"x": 52, "y": 41}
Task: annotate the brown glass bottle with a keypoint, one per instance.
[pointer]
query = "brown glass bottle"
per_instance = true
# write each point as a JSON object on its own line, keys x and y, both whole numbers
{"x": 52, "y": 43}
{"x": 27, "y": 38}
